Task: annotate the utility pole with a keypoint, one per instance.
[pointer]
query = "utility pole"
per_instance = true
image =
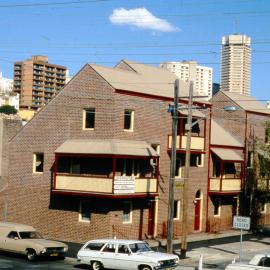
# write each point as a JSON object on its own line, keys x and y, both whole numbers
{"x": 186, "y": 175}
{"x": 172, "y": 169}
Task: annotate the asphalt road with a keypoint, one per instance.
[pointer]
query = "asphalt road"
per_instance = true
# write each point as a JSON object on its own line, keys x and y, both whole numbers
{"x": 216, "y": 255}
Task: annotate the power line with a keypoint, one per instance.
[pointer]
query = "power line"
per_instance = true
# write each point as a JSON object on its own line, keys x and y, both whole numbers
{"x": 53, "y": 4}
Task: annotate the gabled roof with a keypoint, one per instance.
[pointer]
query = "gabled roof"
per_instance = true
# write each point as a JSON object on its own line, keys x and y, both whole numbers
{"x": 247, "y": 103}
{"x": 219, "y": 136}
{"x": 146, "y": 79}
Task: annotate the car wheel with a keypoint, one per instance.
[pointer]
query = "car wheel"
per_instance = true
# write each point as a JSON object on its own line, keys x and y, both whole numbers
{"x": 145, "y": 267}
{"x": 31, "y": 255}
{"x": 96, "y": 265}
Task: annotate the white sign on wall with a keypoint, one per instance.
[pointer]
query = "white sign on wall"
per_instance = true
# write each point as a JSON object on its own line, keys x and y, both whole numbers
{"x": 240, "y": 222}
{"x": 124, "y": 184}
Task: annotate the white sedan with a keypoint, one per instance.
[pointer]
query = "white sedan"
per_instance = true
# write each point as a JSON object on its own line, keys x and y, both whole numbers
{"x": 124, "y": 254}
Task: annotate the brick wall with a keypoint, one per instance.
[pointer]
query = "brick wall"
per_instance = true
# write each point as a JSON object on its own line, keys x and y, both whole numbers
{"x": 30, "y": 199}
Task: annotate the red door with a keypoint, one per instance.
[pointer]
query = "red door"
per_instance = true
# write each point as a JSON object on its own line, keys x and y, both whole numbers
{"x": 197, "y": 218}
{"x": 151, "y": 218}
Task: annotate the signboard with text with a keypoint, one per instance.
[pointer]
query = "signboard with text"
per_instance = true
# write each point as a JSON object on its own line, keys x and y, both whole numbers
{"x": 124, "y": 184}
{"x": 240, "y": 222}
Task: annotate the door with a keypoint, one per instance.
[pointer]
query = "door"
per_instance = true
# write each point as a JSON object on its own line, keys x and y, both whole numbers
{"x": 197, "y": 216}
{"x": 151, "y": 218}
{"x": 108, "y": 255}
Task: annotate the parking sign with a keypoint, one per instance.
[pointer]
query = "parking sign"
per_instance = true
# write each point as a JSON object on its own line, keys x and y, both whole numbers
{"x": 240, "y": 222}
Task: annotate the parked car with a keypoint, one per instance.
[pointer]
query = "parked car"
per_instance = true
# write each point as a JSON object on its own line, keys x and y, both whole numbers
{"x": 262, "y": 229}
{"x": 258, "y": 262}
{"x": 24, "y": 239}
{"x": 124, "y": 254}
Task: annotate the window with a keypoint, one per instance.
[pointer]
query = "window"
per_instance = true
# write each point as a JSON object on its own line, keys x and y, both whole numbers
{"x": 85, "y": 213}
{"x": 128, "y": 120}
{"x": 94, "y": 246}
{"x": 265, "y": 262}
{"x": 176, "y": 210}
{"x": 38, "y": 162}
{"x": 250, "y": 159}
{"x": 217, "y": 206}
{"x": 89, "y": 118}
{"x": 196, "y": 160}
{"x": 262, "y": 205}
{"x": 123, "y": 249}
{"x": 127, "y": 212}
{"x": 134, "y": 167}
{"x": 13, "y": 234}
{"x": 109, "y": 248}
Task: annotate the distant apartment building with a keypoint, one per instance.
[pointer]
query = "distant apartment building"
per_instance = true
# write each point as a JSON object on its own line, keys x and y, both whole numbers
{"x": 191, "y": 71}
{"x": 6, "y": 85}
{"x": 235, "y": 64}
{"x": 37, "y": 81}
{"x": 11, "y": 99}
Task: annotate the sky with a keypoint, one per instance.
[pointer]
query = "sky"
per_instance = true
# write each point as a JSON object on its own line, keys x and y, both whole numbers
{"x": 75, "y": 32}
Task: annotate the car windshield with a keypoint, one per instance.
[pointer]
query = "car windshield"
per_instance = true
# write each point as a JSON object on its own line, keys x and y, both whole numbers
{"x": 139, "y": 247}
{"x": 30, "y": 235}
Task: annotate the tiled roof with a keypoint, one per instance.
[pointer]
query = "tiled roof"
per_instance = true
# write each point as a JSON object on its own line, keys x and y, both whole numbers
{"x": 247, "y": 103}
{"x": 146, "y": 79}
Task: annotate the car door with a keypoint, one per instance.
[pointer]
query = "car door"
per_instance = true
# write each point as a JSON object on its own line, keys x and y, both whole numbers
{"x": 124, "y": 258}
{"x": 107, "y": 256}
{"x": 13, "y": 243}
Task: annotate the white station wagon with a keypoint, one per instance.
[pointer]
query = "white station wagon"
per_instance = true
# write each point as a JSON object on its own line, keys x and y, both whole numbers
{"x": 124, "y": 254}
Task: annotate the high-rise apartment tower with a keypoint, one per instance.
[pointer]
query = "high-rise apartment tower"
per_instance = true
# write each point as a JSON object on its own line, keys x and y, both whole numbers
{"x": 190, "y": 71}
{"x": 37, "y": 81}
{"x": 235, "y": 64}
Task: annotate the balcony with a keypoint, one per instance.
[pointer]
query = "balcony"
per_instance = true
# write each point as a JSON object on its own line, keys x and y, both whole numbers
{"x": 229, "y": 185}
{"x": 108, "y": 168}
{"x": 106, "y": 186}
{"x": 197, "y": 143}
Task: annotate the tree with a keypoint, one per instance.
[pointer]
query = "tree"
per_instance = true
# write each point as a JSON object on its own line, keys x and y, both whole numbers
{"x": 7, "y": 109}
{"x": 260, "y": 175}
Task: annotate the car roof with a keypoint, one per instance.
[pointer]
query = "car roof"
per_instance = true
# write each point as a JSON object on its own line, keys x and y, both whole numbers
{"x": 16, "y": 226}
{"x": 116, "y": 241}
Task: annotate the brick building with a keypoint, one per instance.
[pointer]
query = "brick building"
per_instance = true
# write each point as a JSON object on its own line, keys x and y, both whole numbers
{"x": 247, "y": 123}
{"x": 9, "y": 126}
{"x": 100, "y": 164}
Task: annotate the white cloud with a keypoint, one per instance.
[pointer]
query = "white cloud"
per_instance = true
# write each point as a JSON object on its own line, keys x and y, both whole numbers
{"x": 141, "y": 18}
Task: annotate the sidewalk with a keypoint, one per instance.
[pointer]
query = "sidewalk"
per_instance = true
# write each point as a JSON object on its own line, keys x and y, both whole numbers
{"x": 194, "y": 240}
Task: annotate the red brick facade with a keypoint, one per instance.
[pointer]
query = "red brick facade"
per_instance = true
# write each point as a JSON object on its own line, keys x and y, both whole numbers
{"x": 57, "y": 216}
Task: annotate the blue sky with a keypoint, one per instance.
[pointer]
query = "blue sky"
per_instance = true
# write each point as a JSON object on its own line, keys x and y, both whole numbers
{"x": 73, "y": 32}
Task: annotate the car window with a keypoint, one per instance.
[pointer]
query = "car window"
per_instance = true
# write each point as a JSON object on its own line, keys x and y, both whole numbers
{"x": 109, "y": 248}
{"x": 123, "y": 249}
{"x": 139, "y": 247}
{"x": 265, "y": 261}
{"x": 30, "y": 235}
{"x": 94, "y": 246}
{"x": 12, "y": 235}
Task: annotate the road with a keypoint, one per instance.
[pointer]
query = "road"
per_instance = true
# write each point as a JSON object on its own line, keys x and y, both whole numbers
{"x": 216, "y": 255}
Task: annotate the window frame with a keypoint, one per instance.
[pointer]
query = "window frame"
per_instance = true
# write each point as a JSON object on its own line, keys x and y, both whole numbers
{"x": 219, "y": 207}
{"x": 130, "y": 213}
{"x": 177, "y": 210}
{"x": 85, "y": 117}
{"x": 35, "y": 161}
{"x": 131, "y": 129}
{"x": 81, "y": 219}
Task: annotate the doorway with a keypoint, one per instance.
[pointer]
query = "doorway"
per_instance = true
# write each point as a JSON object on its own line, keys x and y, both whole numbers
{"x": 197, "y": 211}
{"x": 151, "y": 218}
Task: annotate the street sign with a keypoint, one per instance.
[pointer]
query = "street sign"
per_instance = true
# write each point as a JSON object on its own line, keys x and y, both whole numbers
{"x": 240, "y": 222}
